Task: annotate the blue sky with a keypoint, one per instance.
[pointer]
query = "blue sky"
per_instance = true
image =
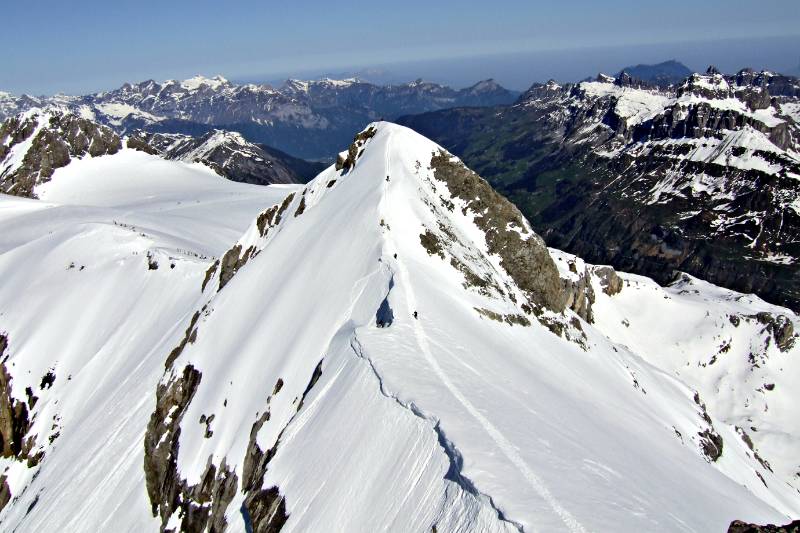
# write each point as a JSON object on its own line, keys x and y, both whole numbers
{"x": 91, "y": 45}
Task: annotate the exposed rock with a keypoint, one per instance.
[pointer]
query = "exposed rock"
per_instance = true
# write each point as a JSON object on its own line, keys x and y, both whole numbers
{"x": 5, "y": 492}
{"x": 780, "y": 327}
{"x": 265, "y": 510}
{"x": 737, "y": 526}
{"x": 232, "y": 261}
{"x": 710, "y": 441}
{"x": 609, "y": 280}
{"x": 201, "y": 506}
{"x": 579, "y": 293}
{"x": 162, "y": 479}
{"x": 527, "y": 260}
{"x": 510, "y": 319}
{"x": 139, "y": 142}
{"x": 301, "y": 208}
{"x": 348, "y": 161}
{"x": 272, "y": 216}
{"x": 189, "y": 337}
{"x": 431, "y": 243}
{"x": 209, "y": 274}
{"x": 227, "y": 153}
{"x": 14, "y": 417}
{"x": 57, "y": 138}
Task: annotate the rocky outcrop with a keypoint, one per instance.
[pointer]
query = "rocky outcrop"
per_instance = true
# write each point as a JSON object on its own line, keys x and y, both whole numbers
{"x": 43, "y": 141}
{"x": 780, "y": 328}
{"x": 579, "y": 292}
{"x": 225, "y": 152}
{"x": 15, "y": 418}
{"x": 609, "y": 279}
{"x": 737, "y": 526}
{"x": 526, "y": 259}
{"x": 5, "y": 492}
{"x": 347, "y": 160}
{"x": 710, "y": 440}
{"x": 231, "y": 262}
{"x": 201, "y": 507}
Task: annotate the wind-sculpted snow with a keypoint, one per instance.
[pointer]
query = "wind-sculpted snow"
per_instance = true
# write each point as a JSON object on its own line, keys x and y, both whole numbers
{"x": 348, "y": 375}
{"x": 85, "y": 317}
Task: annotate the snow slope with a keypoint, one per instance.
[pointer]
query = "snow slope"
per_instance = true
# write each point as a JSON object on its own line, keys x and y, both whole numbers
{"x": 79, "y": 300}
{"x": 332, "y": 372}
{"x": 539, "y": 432}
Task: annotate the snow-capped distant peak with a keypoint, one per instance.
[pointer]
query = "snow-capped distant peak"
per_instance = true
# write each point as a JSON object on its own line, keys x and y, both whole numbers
{"x": 200, "y": 81}
{"x": 347, "y": 82}
{"x": 296, "y": 85}
{"x": 605, "y": 78}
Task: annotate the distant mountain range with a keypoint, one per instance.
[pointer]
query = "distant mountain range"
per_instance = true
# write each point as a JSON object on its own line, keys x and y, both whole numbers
{"x": 35, "y": 144}
{"x": 308, "y": 119}
{"x": 662, "y": 74}
{"x": 702, "y": 177}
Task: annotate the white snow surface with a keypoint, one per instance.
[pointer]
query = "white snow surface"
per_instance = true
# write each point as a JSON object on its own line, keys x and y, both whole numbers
{"x": 116, "y": 112}
{"x": 450, "y": 419}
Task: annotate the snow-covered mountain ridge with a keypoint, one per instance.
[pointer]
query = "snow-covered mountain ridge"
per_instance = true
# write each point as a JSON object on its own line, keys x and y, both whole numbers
{"x": 36, "y": 144}
{"x": 308, "y": 119}
{"x": 390, "y": 347}
{"x": 700, "y": 177}
{"x": 227, "y": 152}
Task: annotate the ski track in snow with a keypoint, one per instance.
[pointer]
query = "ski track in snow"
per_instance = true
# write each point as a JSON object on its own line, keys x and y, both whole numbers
{"x": 502, "y": 442}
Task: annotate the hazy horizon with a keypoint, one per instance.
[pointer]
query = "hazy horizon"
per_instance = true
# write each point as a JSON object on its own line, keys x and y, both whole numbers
{"x": 57, "y": 48}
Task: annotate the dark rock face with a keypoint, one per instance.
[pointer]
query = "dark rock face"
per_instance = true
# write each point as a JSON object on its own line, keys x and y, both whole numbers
{"x": 15, "y": 422}
{"x": 201, "y": 506}
{"x": 527, "y": 261}
{"x": 232, "y": 261}
{"x": 710, "y": 441}
{"x": 161, "y": 442}
{"x": 690, "y": 187}
{"x": 263, "y": 510}
{"x": 610, "y": 281}
{"x": 14, "y": 418}
{"x": 737, "y": 526}
{"x": 781, "y": 329}
{"x": 227, "y": 153}
{"x": 346, "y": 162}
{"x": 55, "y": 138}
{"x": 5, "y": 492}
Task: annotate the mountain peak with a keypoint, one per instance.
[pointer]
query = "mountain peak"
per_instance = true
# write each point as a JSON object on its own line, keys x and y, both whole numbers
{"x": 666, "y": 73}
{"x": 198, "y": 81}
